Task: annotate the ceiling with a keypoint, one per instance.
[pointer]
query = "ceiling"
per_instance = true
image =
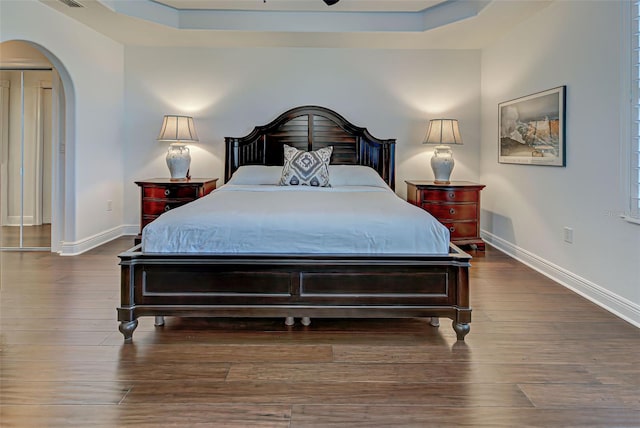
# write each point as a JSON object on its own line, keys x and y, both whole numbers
{"x": 383, "y": 24}
{"x": 304, "y": 5}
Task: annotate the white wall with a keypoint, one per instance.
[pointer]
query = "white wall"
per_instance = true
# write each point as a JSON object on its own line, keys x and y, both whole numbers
{"x": 577, "y": 44}
{"x": 95, "y": 65}
{"x": 393, "y": 93}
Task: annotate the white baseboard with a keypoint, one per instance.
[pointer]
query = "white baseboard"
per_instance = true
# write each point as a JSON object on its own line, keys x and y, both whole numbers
{"x": 599, "y": 295}
{"x": 86, "y": 244}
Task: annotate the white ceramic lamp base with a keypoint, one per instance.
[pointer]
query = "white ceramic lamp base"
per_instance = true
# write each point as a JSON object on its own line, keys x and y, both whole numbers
{"x": 442, "y": 163}
{"x": 178, "y": 161}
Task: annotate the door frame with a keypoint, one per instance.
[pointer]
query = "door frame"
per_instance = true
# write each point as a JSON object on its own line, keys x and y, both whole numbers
{"x": 38, "y": 208}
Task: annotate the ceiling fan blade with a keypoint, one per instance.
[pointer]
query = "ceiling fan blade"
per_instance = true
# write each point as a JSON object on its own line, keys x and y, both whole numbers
{"x": 331, "y": 2}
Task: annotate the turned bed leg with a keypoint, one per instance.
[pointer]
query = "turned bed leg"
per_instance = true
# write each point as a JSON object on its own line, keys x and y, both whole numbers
{"x": 159, "y": 320}
{"x": 461, "y": 329}
{"x": 127, "y": 328}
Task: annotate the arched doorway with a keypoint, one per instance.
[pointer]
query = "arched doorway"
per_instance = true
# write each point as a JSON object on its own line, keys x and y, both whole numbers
{"x": 33, "y": 147}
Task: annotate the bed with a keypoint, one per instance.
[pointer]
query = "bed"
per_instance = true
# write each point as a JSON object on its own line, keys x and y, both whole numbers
{"x": 255, "y": 248}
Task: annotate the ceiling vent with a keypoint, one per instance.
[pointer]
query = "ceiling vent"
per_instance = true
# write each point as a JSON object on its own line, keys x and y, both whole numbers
{"x": 71, "y": 3}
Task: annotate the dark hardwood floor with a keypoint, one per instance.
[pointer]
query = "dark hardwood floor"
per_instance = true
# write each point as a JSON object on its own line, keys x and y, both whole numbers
{"x": 537, "y": 355}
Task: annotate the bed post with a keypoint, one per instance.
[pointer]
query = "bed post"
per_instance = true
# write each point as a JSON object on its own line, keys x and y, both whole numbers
{"x": 126, "y": 315}
{"x": 232, "y": 157}
{"x": 389, "y": 150}
{"x": 463, "y": 311}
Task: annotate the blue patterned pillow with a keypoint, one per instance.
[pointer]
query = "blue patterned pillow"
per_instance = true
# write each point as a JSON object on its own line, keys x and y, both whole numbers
{"x": 306, "y": 168}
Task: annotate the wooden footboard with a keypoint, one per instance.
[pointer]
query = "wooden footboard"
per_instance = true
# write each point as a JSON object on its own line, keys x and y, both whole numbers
{"x": 319, "y": 286}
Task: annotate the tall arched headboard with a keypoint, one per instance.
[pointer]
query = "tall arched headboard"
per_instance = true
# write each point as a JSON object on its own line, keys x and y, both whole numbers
{"x": 311, "y": 128}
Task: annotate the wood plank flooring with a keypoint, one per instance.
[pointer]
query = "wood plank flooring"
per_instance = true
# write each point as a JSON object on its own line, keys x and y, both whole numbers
{"x": 32, "y": 236}
{"x": 537, "y": 355}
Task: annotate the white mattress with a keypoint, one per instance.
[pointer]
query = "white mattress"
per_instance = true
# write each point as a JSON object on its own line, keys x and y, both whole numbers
{"x": 247, "y": 219}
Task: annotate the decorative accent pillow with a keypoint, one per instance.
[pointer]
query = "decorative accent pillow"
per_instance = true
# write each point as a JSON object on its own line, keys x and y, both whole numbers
{"x": 306, "y": 168}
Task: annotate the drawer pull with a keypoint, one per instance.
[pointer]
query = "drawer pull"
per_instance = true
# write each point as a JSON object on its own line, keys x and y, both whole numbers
{"x": 452, "y": 229}
{"x": 452, "y": 211}
{"x": 167, "y": 208}
{"x": 452, "y": 195}
{"x": 167, "y": 192}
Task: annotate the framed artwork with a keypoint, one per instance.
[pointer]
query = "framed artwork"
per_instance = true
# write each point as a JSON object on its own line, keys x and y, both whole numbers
{"x": 532, "y": 129}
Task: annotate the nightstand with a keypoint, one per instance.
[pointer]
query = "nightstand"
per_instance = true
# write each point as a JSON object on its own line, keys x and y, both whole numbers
{"x": 455, "y": 204}
{"x": 160, "y": 195}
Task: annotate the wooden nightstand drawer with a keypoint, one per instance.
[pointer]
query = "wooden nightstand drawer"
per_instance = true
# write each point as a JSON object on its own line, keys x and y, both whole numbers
{"x": 157, "y": 207}
{"x": 170, "y": 192}
{"x": 449, "y": 195}
{"x": 462, "y": 229}
{"x": 452, "y": 211}
{"x": 146, "y": 219}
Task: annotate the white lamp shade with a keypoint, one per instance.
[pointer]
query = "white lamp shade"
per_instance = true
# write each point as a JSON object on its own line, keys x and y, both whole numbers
{"x": 178, "y": 129}
{"x": 443, "y": 131}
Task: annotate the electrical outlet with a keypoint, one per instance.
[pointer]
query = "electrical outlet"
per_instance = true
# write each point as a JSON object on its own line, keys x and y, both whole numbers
{"x": 109, "y": 205}
{"x": 568, "y": 235}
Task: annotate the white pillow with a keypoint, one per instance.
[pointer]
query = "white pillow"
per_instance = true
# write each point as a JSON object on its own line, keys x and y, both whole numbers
{"x": 339, "y": 175}
{"x": 354, "y": 175}
{"x": 256, "y": 174}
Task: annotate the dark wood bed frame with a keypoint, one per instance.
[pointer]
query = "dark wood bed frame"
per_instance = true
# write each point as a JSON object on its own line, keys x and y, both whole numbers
{"x": 298, "y": 285}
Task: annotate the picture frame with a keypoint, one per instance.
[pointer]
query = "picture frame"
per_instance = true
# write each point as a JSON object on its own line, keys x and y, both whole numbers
{"x": 531, "y": 129}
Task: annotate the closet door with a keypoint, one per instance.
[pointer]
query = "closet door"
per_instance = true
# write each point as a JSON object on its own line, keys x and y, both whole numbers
{"x": 25, "y": 158}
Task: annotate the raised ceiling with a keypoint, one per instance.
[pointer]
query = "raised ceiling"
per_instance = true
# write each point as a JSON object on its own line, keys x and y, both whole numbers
{"x": 304, "y": 5}
{"x": 390, "y": 24}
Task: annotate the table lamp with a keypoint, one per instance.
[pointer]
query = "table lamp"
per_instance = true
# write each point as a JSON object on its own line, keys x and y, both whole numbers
{"x": 177, "y": 130}
{"x": 443, "y": 132}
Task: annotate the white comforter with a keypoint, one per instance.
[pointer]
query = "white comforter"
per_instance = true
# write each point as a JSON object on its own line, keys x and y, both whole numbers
{"x": 297, "y": 219}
